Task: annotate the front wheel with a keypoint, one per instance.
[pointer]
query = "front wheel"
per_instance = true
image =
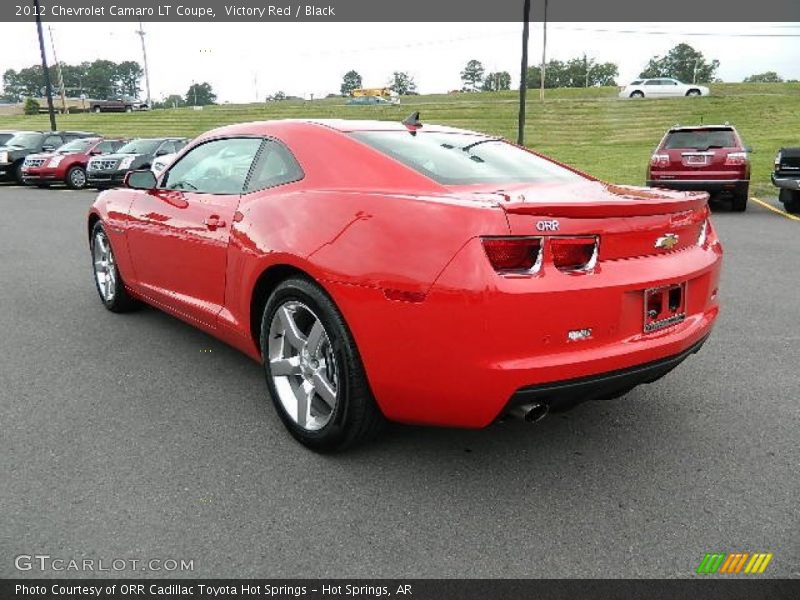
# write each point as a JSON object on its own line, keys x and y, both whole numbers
{"x": 637, "y": 94}
{"x": 128, "y": 109}
{"x": 97, "y": 109}
{"x": 76, "y": 178}
{"x": 107, "y": 279}
{"x": 314, "y": 373}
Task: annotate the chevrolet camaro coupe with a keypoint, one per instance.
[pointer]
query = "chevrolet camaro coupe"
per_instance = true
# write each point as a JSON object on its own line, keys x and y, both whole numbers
{"x": 412, "y": 273}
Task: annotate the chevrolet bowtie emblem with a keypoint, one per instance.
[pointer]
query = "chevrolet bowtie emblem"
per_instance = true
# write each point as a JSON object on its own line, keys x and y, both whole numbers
{"x": 667, "y": 241}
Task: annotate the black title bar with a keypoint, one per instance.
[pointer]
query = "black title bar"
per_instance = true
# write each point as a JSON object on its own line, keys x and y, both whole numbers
{"x": 282, "y": 11}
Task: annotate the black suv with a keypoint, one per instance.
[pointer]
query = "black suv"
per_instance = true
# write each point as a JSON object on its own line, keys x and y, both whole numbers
{"x": 109, "y": 170}
{"x": 23, "y": 143}
{"x": 786, "y": 176}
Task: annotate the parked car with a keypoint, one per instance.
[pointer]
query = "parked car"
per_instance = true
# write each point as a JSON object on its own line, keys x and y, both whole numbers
{"x": 786, "y": 176}
{"x": 68, "y": 163}
{"x": 121, "y": 104}
{"x": 369, "y": 101}
{"x": 109, "y": 170}
{"x": 24, "y": 143}
{"x": 711, "y": 158}
{"x": 442, "y": 278}
{"x": 661, "y": 87}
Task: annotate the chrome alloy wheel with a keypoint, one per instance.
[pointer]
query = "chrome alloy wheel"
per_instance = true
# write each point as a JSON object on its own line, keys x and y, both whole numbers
{"x": 303, "y": 365}
{"x": 78, "y": 178}
{"x": 105, "y": 272}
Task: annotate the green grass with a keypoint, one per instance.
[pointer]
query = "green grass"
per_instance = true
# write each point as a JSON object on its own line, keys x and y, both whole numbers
{"x": 589, "y": 128}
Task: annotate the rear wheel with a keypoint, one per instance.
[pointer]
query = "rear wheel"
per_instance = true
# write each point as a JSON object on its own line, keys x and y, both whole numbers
{"x": 76, "y": 178}
{"x": 637, "y": 94}
{"x": 790, "y": 200}
{"x": 693, "y": 92}
{"x": 739, "y": 201}
{"x": 313, "y": 370}
{"x": 128, "y": 109}
{"x": 109, "y": 284}
{"x": 97, "y": 109}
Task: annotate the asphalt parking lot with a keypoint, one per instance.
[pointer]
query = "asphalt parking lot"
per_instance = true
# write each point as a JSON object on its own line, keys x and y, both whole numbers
{"x": 139, "y": 437}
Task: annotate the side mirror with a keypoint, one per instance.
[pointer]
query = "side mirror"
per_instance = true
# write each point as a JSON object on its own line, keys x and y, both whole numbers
{"x": 161, "y": 152}
{"x": 95, "y": 152}
{"x": 140, "y": 180}
{"x": 48, "y": 148}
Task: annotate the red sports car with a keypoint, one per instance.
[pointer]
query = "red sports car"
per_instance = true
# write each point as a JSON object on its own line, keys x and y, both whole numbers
{"x": 420, "y": 274}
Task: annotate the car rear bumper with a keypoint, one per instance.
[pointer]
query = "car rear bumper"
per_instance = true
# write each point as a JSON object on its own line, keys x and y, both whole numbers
{"x": 786, "y": 183}
{"x": 701, "y": 185}
{"x": 603, "y": 386}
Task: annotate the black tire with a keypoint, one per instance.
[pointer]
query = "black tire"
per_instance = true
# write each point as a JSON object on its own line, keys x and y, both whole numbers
{"x": 739, "y": 201}
{"x": 790, "y": 200}
{"x": 97, "y": 109}
{"x": 18, "y": 173}
{"x": 356, "y": 417}
{"x": 637, "y": 94}
{"x": 128, "y": 109}
{"x": 693, "y": 92}
{"x": 76, "y": 178}
{"x": 120, "y": 301}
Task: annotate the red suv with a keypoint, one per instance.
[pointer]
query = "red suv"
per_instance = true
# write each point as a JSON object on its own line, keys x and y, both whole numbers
{"x": 66, "y": 164}
{"x": 710, "y": 158}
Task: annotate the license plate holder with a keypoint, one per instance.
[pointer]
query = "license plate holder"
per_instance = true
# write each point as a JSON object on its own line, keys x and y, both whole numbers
{"x": 696, "y": 160}
{"x": 664, "y": 306}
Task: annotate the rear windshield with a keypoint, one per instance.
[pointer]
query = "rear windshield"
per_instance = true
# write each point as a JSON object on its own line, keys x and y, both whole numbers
{"x": 701, "y": 139}
{"x": 462, "y": 159}
{"x": 140, "y": 147}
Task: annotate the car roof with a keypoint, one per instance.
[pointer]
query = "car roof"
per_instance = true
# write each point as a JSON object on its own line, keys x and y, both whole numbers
{"x": 725, "y": 127}
{"x": 341, "y": 125}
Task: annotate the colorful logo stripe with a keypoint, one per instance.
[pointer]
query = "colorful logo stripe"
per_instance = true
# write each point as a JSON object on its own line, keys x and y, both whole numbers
{"x": 734, "y": 563}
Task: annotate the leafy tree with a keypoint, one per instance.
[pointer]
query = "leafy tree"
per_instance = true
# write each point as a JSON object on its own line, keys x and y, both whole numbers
{"x": 171, "y": 101}
{"x": 31, "y": 107}
{"x": 683, "y": 63}
{"x": 351, "y": 81}
{"x": 472, "y": 75}
{"x": 587, "y": 72}
{"x": 766, "y": 77}
{"x": 128, "y": 75}
{"x": 402, "y": 83}
{"x": 200, "y": 94}
{"x": 494, "y": 82}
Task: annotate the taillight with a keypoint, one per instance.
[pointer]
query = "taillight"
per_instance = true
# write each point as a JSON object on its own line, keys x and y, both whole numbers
{"x": 574, "y": 254}
{"x": 659, "y": 160}
{"x": 735, "y": 159}
{"x": 514, "y": 254}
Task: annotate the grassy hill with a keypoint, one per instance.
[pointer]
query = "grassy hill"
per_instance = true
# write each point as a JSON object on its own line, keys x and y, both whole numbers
{"x": 591, "y": 128}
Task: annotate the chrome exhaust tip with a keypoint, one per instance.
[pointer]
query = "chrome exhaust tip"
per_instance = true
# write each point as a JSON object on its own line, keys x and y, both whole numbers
{"x": 530, "y": 413}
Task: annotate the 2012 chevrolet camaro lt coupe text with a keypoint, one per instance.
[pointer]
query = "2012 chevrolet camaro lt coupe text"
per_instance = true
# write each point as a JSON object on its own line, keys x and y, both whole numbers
{"x": 411, "y": 272}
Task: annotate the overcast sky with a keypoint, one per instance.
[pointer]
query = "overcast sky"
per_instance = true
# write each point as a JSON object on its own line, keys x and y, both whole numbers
{"x": 246, "y": 61}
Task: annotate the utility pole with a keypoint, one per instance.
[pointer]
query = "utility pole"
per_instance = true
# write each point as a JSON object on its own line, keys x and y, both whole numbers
{"x": 523, "y": 81}
{"x": 48, "y": 87}
{"x": 544, "y": 52}
{"x": 60, "y": 74}
{"x": 140, "y": 32}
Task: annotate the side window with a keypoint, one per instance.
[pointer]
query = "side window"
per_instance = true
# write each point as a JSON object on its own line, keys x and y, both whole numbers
{"x": 53, "y": 140}
{"x": 167, "y": 147}
{"x": 215, "y": 167}
{"x": 275, "y": 166}
{"x": 105, "y": 147}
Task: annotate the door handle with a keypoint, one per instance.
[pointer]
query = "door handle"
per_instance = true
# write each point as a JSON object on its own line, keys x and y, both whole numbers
{"x": 213, "y": 222}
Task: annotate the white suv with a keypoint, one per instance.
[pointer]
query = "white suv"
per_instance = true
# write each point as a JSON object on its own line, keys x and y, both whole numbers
{"x": 661, "y": 87}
